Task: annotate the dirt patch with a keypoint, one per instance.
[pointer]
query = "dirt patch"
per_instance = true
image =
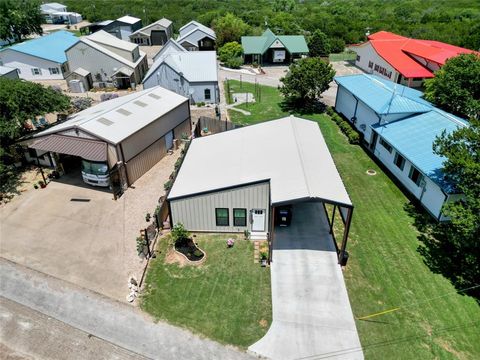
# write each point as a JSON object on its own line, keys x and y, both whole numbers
{"x": 172, "y": 257}
{"x": 445, "y": 345}
{"x": 263, "y": 323}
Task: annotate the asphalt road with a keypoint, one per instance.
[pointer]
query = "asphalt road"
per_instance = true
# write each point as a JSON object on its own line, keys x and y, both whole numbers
{"x": 126, "y": 328}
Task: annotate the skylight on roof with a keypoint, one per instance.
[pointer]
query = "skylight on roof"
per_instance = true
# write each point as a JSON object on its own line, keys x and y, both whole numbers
{"x": 105, "y": 121}
{"x": 139, "y": 103}
{"x": 155, "y": 96}
{"x": 124, "y": 112}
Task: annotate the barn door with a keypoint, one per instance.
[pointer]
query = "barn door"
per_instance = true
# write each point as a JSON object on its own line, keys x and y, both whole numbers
{"x": 169, "y": 140}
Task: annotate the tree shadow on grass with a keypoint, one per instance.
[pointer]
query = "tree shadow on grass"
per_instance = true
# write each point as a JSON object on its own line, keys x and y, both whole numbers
{"x": 302, "y": 107}
{"x": 444, "y": 256}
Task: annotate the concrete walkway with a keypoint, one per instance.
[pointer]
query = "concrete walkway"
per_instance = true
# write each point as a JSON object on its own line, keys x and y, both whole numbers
{"x": 120, "y": 324}
{"x": 312, "y": 318}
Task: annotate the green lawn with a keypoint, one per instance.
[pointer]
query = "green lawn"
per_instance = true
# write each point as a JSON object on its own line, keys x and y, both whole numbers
{"x": 345, "y": 56}
{"x": 266, "y": 108}
{"x": 385, "y": 269}
{"x": 227, "y": 299}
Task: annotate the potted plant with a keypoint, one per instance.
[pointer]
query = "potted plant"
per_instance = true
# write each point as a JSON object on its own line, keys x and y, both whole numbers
{"x": 35, "y": 186}
{"x": 263, "y": 258}
{"x": 246, "y": 233}
{"x": 42, "y": 184}
{"x": 147, "y": 217}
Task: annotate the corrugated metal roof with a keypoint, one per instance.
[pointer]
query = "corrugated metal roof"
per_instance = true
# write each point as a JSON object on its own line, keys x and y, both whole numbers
{"x": 290, "y": 152}
{"x": 146, "y": 30}
{"x": 50, "y": 47}
{"x": 260, "y": 44}
{"x": 104, "y": 38}
{"x": 197, "y": 25}
{"x": 171, "y": 46}
{"x": 120, "y": 126}
{"x": 195, "y": 66}
{"x": 129, "y": 19}
{"x": 413, "y": 137}
{"x": 88, "y": 149}
{"x": 6, "y": 70}
{"x": 383, "y": 96}
{"x": 81, "y": 71}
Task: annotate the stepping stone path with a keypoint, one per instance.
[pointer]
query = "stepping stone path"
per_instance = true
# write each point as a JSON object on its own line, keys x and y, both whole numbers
{"x": 256, "y": 252}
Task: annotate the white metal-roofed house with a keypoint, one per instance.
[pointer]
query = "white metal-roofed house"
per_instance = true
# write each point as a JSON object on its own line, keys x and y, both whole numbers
{"x": 234, "y": 181}
{"x": 8, "y": 73}
{"x": 195, "y": 36}
{"x": 191, "y": 74}
{"x": 157, "y": 33}
{"x": 109, "y": 60}
{"x": 132, "y": 132}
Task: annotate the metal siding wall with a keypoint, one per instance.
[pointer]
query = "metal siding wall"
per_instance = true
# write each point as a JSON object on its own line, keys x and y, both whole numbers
{"x": 183, "y": 128}
{"x": 145, "y": 160}
{"x": 366, "y": 116}
{"x": 197, "y": 213}
{"x": 25, "y": 63}
{"x": 345, "y": 102}
{"x": 157, "y": 129}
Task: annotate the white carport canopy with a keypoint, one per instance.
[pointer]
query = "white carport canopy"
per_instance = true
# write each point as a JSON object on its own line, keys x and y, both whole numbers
{"x": 290, "y": 152}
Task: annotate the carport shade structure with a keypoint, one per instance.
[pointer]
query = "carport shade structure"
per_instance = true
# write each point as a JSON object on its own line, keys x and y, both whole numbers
{"x": 289, "y": 153}
{"x": 85, "y": 148}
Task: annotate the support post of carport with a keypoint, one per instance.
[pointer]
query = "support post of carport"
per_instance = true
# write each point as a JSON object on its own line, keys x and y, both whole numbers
{"x": 271, "y": 234}
{"x": 345, "y": 234}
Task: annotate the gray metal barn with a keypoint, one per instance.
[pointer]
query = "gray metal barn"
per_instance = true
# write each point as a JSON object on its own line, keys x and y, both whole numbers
{"x": 235, "y": 181}
{"x": 132, "y": 132}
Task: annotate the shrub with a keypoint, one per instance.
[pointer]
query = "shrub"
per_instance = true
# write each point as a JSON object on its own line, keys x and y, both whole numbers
{"x": 108, "y": 96}
{"x": 200, "y": 103}
{"x": 352, "y": 135}
{"x": 141, "y": 244}
{"x": 229, "y": 51}
{"x": 168, "y": 185}
{"x": 177, "y": 163}
{"x": 234, "y": 63}
{"x": 81, "y": 103}
{"x": 337, "y": 45}
{"x": 197, "y": 253}
{"x": 179, "y": 233}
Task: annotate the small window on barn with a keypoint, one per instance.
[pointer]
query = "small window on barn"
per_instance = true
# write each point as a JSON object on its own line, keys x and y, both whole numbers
{"x": 358, "y": 57}
{"x": 399, "y": 161}
{"x": 415, "y": 175}
{"x": 386, "y": 145}
{"x": 53, "y": 71}
{"x": 36, "y": 71}
{"x": 207, "y": 94}
{"x": 221, "y": 217}
{"x": 370, "y": 64}
{"x": 239, "y": 217}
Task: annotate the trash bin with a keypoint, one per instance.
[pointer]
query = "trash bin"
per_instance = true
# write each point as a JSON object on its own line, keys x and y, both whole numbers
{"x": 344, "y": 258}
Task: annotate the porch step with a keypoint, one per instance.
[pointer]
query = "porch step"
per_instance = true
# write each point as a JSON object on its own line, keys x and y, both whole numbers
{"x": 258, "y": 236}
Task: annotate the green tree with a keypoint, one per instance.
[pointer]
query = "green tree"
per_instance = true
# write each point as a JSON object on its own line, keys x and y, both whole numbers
{"x": 229, "y": 28}
{"x": 19, "y": 101}
{"x": 337, "y": 45}
{"x": 231, "y": 54}
{"x": 283, "y": 23}
{"x": 318, "y": 44}
{"x": 19, "y": 19}
{"x": 283, "y": 5}
{"x": 456, "y": 86}
{"x": 459, "y": 238}
{"x": 306, "y": 80}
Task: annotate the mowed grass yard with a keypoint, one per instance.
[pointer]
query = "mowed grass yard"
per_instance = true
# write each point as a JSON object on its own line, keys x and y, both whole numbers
{"x": 228, "y": 298}
{"x": 385, "y": 269}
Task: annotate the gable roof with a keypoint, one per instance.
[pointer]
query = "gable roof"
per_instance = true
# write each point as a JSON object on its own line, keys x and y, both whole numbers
{"x": 4, "y": 70}
{"x": 50, "y": 47}
{"x": 106, "y": 122}
{"x": 413, "y": 138}
{"x": 171, "y": 46}
{"x": 383, "y": 96}
{"x": 290, "y": 152}
{"x": 129, "y": 19}
{"x": 260, "y": 44}
{"x": 165, "y": 23}
{"x": 398, "y": 50}
{"x": 197, "y": 25}
{"x": 184, "y": 37}
{"x": 104, "y": 38}
{"x": 194, "y": 66}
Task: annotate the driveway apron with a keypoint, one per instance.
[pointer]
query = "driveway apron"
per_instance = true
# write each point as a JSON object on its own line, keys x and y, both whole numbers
{"x": 312, "y": 317}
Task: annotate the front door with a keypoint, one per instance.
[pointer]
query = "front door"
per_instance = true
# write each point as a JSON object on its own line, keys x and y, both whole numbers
{"x": 169, "y": 140}
{"x": 258, "y": 220}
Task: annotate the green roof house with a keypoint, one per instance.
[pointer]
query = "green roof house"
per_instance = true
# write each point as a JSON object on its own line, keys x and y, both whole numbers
{"x": 271, "y": 48}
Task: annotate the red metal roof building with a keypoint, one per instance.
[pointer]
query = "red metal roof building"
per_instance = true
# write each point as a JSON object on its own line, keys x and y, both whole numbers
{"x": 404, "y": 60}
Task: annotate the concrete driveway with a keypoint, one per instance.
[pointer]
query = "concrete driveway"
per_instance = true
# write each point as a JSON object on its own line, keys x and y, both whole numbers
{"x": 78, "y": 233}
{"x": 312, "y": 317}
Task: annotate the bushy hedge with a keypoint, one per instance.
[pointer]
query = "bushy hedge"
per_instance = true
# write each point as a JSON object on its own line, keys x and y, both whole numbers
{"x": 352, "y": 134}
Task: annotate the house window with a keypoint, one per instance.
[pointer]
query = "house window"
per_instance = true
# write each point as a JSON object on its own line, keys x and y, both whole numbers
{"x": 239, "y": 217}
{"x": 53, "y": 71}
{"x": 221, "y": 217}
{"x": 386, "y": 145}
{"x": 358, "y": 57}
{"x": 399, "y": 161}
{"x": 207, "y": 94}
{"x": 36, "y": 71}
{"x": 415, "y": 175}
{"x": 370, "y": 64}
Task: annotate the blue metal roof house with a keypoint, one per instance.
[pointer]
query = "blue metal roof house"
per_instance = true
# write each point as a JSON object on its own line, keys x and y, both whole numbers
{"x": 41, "y": 58}
{"x": 399, "y": 127}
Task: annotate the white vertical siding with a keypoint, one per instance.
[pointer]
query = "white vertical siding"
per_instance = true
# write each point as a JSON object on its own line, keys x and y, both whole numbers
{"x": 197, "y": 213}
{"x": 25, "y": 63}
{"x": 345, "y": 103}
{"x": 432, "y": 198}
{"x": 367, "y": 53}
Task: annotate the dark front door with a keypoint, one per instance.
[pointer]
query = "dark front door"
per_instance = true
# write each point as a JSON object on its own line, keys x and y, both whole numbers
{"x": 158, "y": 37}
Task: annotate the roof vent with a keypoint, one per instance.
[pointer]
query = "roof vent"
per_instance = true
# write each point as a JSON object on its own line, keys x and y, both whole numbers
{"x": 105, "y": 121}
{"x": 155, "y": 96}
{"x": 139, "y": 103}
{"x": 124, "y": 112}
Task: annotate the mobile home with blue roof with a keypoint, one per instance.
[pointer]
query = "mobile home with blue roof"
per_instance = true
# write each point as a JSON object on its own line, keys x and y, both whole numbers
{"x": 399, "y": 128}
{"x": 41, "y": 58}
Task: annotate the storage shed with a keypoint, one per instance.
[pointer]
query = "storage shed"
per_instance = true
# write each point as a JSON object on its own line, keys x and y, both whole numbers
{"x": 234, "y": 181}
{"x": 132, "y": 132}
{"x": 157, "y": 33}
